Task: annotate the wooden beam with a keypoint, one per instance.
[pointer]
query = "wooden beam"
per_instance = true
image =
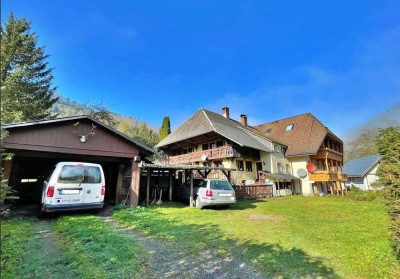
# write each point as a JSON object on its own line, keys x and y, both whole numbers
{"x": 202, "y": 175}
{"x": 135, "y": 185}
{"x": 191, "y": 188}
{"x": 148, "y": 187}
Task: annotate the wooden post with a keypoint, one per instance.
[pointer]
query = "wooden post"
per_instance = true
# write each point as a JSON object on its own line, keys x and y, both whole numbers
{"x": 330, "y": 186}
{"x": 119, "y": 183}
{"x": 135, "y": 185}
{"x": 338, "y": 186}
{"x": 170, "y": 184}
{"x": 279, "y": 188}
{"x": 148, "y": 187}
{"x": 191, "y": 188}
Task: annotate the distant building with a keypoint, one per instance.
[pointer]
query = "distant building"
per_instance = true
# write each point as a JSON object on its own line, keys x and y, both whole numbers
{"x": 362, "y": 171}
{"x": 310, "y": 141}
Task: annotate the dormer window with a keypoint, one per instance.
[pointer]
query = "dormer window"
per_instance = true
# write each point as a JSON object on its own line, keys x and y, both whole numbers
{"x": 289, "y": 127}
{"x": 268, "y": 131}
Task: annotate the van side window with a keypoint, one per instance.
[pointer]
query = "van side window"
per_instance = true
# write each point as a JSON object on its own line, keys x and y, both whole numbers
{"x": 93, "y": 175}
{"x": 73, "y": 174}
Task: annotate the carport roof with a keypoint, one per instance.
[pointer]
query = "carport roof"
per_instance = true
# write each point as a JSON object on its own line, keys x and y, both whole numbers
{"x": 279, "y": 175}
{"x": 148, "y": 149}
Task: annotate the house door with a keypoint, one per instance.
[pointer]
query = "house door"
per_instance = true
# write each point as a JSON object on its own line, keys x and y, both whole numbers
{"x": 258, "y": 168}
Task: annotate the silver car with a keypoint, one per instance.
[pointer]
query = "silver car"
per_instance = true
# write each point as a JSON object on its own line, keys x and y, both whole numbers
{"x": 214, "y": 192}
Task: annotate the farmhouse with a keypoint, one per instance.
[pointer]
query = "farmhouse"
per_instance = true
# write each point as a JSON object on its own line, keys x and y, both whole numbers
{"x": 215, "y": 140}
{"x": 310, "y": 144}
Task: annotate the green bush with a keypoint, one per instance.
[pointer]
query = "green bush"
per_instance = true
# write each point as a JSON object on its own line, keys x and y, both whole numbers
{"x": 357, "y": 194}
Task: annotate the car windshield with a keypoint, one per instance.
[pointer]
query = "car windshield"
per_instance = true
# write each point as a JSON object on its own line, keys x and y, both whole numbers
{"x": 220, "y": 185}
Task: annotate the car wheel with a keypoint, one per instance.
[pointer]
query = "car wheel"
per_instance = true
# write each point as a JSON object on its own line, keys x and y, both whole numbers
{"x": 42, "y": 214}
{"x": 199, "y": 204}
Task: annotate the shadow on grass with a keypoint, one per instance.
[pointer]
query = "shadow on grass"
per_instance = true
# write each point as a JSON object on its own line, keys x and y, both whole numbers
{"x": 272, "y": 260}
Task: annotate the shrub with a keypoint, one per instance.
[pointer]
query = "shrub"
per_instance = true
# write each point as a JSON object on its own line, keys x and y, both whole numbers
{"x": 357, "y": 194}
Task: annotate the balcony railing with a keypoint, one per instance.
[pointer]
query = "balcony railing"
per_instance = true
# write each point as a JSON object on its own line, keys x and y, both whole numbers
{"x": 333, "y": 174}
{"x": 212, "y": 154}
{"x": 329, "y": 153}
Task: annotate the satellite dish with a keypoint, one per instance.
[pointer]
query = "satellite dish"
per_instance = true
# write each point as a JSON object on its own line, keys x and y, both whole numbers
{"x": 204, "y": 157}
{"x": 311, "y": 167}
{"x": 302, "y": 173}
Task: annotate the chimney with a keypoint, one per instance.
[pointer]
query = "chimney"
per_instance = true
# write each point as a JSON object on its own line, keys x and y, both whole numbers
{"x": 225, "y": 112}
{"x": 243, "y": 119}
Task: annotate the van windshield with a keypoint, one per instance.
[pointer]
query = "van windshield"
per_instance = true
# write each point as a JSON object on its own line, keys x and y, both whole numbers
{"x": 220, "y": 185}
{"x": 73, "y": 174}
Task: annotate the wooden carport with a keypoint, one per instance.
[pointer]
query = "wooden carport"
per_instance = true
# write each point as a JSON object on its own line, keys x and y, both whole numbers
{"x": 38, "y": 145}
{"x": 170, "y": 169}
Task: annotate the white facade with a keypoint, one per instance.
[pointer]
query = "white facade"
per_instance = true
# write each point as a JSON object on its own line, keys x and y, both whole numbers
{"x": 364, "y": 183}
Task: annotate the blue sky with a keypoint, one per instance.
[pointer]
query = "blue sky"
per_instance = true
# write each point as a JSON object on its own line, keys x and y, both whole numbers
{"x": 339, "y": 60}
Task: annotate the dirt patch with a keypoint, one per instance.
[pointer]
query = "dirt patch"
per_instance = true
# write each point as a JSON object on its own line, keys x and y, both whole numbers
{"x": 168, "y": 260}
{"x": 262, "y": 217}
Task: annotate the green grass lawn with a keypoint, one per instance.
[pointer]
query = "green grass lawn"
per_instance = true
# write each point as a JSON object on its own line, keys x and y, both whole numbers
{"x": 330, "y": 237}
{"x": 96, "y": 250}
{"x": 14, "y": 237}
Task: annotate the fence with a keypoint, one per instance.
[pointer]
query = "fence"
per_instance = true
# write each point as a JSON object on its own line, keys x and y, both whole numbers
{"x": 253, "y": 191}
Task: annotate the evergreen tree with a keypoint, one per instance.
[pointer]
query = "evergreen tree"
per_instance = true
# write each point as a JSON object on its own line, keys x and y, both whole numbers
{"x": 165, "y": 129}
{"x": 27, "y": 92}
{"x": 388, "y": 141}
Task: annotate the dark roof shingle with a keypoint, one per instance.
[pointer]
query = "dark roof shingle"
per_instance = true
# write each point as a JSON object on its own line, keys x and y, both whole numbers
{"x": 204, "y": 121}
{"x": 306, "y": 136}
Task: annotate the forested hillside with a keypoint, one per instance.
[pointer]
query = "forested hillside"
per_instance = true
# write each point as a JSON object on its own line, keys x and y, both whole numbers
{"x": 130, "y": 126}
{"x": 361, "y": 141}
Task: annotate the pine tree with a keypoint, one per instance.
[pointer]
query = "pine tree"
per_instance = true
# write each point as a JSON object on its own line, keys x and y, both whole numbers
{"x": 389, "y": 176}
{"x": 165, "y": 129}
{"x": 26, "y": 80}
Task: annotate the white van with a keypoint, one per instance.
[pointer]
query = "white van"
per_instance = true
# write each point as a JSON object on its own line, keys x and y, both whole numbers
{"x": 73, "y": 186}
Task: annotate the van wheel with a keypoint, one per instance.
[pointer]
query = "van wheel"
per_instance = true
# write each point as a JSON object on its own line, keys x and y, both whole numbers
{"x": 199, "y": 204}
{"x": 42, "y": 214}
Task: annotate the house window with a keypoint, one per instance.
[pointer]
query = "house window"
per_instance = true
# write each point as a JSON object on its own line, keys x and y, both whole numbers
{"x": 205, "y": 146}
{"x": 249, "y": 166}
{"x": 220, "y": 143}
{"x": 239, "y": 165}
{"x": 289, "y": 127}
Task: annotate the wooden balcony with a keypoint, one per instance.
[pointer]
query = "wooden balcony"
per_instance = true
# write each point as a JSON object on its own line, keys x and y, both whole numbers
{"x": 321, "y": 176}
{"x": 342, "y": 176}
{"x": 329, "y": 154}
{"x": 212, "y": 154}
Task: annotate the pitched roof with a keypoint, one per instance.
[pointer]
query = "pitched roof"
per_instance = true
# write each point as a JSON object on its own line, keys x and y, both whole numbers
{"x": 79, "y": 117}
{"x": 361, "y": 166}
{"x": 205, "y": 121}
{"x": 305, "y": 138}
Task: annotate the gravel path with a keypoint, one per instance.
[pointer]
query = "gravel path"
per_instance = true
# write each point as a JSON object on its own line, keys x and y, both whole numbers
{"x": 171, "y": 262}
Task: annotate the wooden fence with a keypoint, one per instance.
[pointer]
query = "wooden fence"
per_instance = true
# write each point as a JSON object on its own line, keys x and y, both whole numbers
{"x": 253, "y": 191}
